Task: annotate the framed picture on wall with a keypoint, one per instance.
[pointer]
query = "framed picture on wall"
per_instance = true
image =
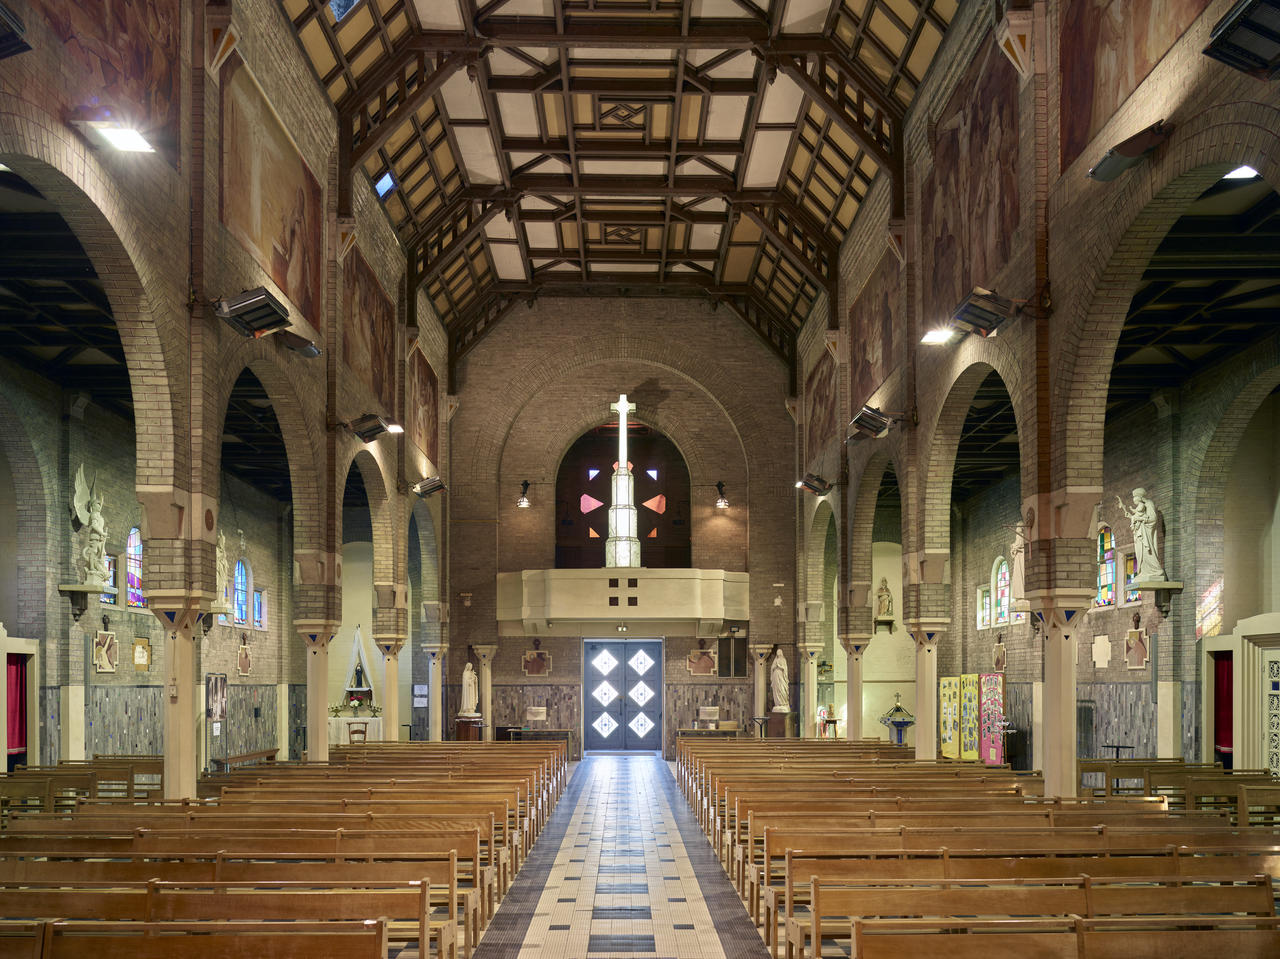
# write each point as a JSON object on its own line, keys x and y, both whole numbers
{"x": 702, "y": 662}
{"x": 215, "y": 697}
{"x": 1135, "y": 649}
{"x": 105, "y": 652}
{"x": 141, "y": 654}
{"x": 536, "y": 662}
{"x": 244, "y": 660}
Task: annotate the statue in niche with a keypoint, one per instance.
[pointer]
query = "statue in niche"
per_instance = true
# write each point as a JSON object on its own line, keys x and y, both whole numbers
{"x": 1142, "y": 520}
{"x": 221, "y": 570}
{"x": 358, "y": 681}
{"x": 780, "y": 683}
{"x": 88, "y": 521}
{"x": 470, "y": 692}
{"x": 884, "y": 600}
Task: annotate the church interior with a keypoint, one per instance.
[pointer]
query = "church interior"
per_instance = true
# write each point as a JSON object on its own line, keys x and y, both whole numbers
{"x": 605, "y": 478}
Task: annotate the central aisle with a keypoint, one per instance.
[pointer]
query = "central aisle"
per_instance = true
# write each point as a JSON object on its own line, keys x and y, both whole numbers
{"x": 622, "y": 870}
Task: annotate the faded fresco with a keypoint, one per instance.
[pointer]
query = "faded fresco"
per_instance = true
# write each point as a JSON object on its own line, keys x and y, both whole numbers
{"x": 421, "y": 404}
{"x": 270, "y": 201}
{"x": 820, "y": 405}
{"x": 368, "y": 330}
{"x": 123, "y": 55}
{"x": 970, "y": 207}
{"x": 1108, "y": 48}
{"x": 873, "y": 322}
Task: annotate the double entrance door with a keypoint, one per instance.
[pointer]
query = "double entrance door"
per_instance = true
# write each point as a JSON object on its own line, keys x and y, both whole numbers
{"x": 622, "y": 694}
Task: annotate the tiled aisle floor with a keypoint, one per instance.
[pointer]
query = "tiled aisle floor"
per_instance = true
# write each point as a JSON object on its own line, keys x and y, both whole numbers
{"x": 622, "y": 870}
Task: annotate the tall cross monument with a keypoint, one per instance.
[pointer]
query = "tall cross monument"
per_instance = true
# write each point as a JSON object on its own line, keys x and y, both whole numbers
{"x": 622, "y": 548}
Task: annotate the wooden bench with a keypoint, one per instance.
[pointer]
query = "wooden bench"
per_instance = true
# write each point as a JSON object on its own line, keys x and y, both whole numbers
{"x": 245, "y": 759}
{"x": 212, "y": 940}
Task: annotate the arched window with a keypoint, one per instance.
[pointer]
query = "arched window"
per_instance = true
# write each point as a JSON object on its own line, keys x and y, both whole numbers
{"x": 240, "y": 594}
{"x": 133, "y": 568}
{"x": 1106, "y": 568}
{"x": 1000, "y": 590}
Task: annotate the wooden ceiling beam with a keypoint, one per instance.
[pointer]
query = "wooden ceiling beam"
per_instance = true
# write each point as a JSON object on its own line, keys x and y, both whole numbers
{"x": 626, "y": 86}
{"x": 591, "y": 147}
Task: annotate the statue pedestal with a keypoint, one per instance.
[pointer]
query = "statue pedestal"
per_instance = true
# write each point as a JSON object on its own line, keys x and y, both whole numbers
{"x": 885, "y": 623}
{"x": 468, "y": 729}
{"x": 781, "y": 726}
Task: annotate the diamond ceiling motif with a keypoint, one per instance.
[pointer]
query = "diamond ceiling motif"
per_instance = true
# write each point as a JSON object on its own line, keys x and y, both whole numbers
{"x": 604, "y": 663}
{"x": 604, "y": 694}
{"x": 606, "y": 724}
{"x": 640, "y": 662}
{"x": 641, "y": 725}
{"x": 641, "y": 693}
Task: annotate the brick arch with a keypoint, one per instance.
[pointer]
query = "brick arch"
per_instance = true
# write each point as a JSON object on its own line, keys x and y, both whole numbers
{"x": 863, "y": 515}
{"x": 430, "y": 585}
{"x": 943, "y": 443}
{"x": 43, "y": 152}
{"x": 815, "y": 555}
{"x": 386, "y": 549}
{"x": 38, "y": 565}
{"x": 1210, "y": 459}
{"x": 1108, "y": 264}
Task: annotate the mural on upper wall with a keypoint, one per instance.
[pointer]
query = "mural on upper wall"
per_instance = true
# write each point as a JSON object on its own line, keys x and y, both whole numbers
{"x": 873, "y": 321}
{"x": 124, "y": 56}
{"x": 1108, "y": 48}
{"x": 270, "y": 201}
{"x": 368, "y": 329}
{"x": 971, "y": 205}
{"x": 421, "y": 404}
{"x": 820, "y": 405}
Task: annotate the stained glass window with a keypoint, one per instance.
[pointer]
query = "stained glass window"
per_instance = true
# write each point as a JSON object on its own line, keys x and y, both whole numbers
{"x": 109, "y": 599}
{"x": 259, "y": 610}
{"x": 240, "y": 594}
{"x": 1000, "y": 584}
{"x": 133, "y": 568}
{"x": 1106, "y": 568}
{"x": 1130, "y": 574}
{"x": 984, "y": 607}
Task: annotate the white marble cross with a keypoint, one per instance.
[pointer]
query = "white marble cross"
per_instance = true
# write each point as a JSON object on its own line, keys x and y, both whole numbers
{"x": 622, "y": 548}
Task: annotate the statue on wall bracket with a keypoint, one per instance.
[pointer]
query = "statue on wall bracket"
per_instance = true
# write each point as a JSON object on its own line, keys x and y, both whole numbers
{"x": 88, "y": 522}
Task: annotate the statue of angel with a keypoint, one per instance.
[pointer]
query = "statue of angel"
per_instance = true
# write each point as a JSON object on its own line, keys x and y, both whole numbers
{"x": 87, "y": 520}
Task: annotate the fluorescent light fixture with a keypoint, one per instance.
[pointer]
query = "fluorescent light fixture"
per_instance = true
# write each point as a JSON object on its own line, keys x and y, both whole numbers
{"x": 523, "y": 501}
{"x": 395, "y": 428}
{"x": 425, "y": 487}
{"x": 814, "y": 484}
{"x": 13, "y": 34}
{"x": 1242, "y": 173}
{"x": 939, "y": 337}
{"x": 870, "y": 422}
{"x": 299, "y": 344}
{"x": 99, "y": 123}
{"x": 384, "y": 185}
{"x": 721, "y": 501}
{"x": 1129, "y": 153}
{"x": 253, "y": 313}
{"x": 982, "y": 312}
{"x": 1247, "y": 38}
{"x": 370, "y": 426}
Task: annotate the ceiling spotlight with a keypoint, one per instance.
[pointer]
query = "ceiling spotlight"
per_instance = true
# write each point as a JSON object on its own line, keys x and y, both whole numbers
{"x": 1242, "y": 173}
{"x": 982, "y": 312}
{"x": 939, "y": 337}
{"x": 523, "y": 501}
{"x": 721, "y": 502}
{"x": 98, "y": 123}
{"x": 814, "y": 484}
{"x": 424, "y": 488}
{"x": 370, "y": 426}
{"x": 873, "y": 423}
{"x": 253, "y": 313}
{"x": 1130, "y": 152}
{"x": 299, "y": 344}
{"x": 622, "y": 627}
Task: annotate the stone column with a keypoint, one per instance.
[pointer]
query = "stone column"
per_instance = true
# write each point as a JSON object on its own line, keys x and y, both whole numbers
{"x": 854, "y": 646}
{"x": 926, "y": 637}
{"x": 435, "y": 677}
{"x": 390, "y": 647}
{"x": 760, "y": 662}
{"x": 317, "y": 634}
{"x": 485, "y": 654}
{"x": 808, "y": 652}
{"x": 180, "y": 614}
{"x": 1058, "y": 617}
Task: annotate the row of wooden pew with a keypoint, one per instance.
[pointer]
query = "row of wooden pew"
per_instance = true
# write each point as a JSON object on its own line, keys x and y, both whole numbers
{"x": 854, "y": 844}
{"x": 1246, "y": 796}
{"x": 412, "y": 843}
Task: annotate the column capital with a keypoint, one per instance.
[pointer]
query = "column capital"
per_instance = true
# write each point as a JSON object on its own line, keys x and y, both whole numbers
{"x": 855, "y": 644}
{"x": 391, "y": 595}
{"x": 389, "y": 644}
{"x": 928, "y": 632}
{"x": 760, "y": 650}
{"x": 810, "y": 647}
{"x": 178, "y": 610}
{"x": 485, "y": 652}
{"x": 317, "y": 633}
{"x": 1060, "y": 608}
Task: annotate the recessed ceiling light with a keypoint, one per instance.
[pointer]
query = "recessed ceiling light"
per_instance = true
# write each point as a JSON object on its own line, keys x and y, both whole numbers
{"x": 1242, "y": 173}
{"x": 939, "y": 337}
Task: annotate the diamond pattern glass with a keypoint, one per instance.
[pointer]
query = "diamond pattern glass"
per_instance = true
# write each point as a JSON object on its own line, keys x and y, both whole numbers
{"x": 641, "y": 693}
{"x": 640, "y": 725}
{"x": 640, "y": 662}
{"x": 606, "y": 724}
{"x": 604, "y": 693}
{"x": 604, "y": 663}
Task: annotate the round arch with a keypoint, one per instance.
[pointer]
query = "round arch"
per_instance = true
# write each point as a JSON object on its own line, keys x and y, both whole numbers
{"x": 378, "y": 491}
{"x": 862, "y": 529}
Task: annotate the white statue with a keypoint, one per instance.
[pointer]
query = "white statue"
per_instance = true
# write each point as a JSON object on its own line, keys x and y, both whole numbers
{"x": 221, "y": 571}
{"x": 1018, "y": 570}
{"x": 87, "y": 520}
{"x": 470, "y": 692}
{"x": 1142, "y": 520}
{"x": 884, "y": 600}
{"x": 780, "y": 683}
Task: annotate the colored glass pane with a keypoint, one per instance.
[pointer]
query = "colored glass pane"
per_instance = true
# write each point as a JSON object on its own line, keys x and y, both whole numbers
{"x": 240, "y": 595}
{"x": 1002, "y": 592}
{"x": 109, "y": 599}
{"x": 984, "y": 607}
{"x": 259, "y": 610}
{"x": 588, "y": 503}
{"x": 1106, "y": 569}
{"x": 656, "y": 503}
{"x": 133, "y": 568}
{"x": 1130, "y": 574}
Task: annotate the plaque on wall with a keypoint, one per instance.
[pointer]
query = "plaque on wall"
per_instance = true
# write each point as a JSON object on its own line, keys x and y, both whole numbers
{"x": 141, "y": 654}
{"x": 536, "y": 662}
{"x": 244, "y": 660}
{"x": 1135, "y": 649}
{"x": 702, "y": 662}
{"x": 105, "y": 652}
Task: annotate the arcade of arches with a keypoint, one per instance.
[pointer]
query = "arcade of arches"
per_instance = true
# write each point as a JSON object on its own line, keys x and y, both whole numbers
{"x": 484, "y": 222}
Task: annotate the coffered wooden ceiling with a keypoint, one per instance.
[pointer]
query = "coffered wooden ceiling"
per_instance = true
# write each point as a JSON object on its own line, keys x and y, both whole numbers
{"x": 710, "y": 148}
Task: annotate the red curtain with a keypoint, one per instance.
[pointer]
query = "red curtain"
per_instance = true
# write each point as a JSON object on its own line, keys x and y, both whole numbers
{"x": 16, "y": 676}
{"x": 1222, "y": 695}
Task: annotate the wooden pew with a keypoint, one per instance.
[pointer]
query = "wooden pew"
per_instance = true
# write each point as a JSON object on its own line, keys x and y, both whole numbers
{"x": 214, "y": 940}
